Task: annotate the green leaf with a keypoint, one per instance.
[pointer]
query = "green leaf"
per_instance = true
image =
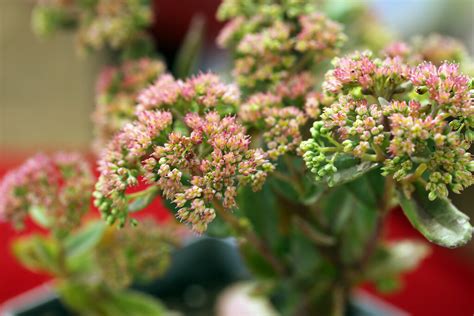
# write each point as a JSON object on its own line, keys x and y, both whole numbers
{"x": 85, "y": 239}
{"x": 140, "y": 200}
{"x": 348, "y": 169}
{"x": 40, "y": 216}
{"x": 256, "y": 263}
{"x": 37, "y": 253}
{"x": 133, "y": 303}
{"x": 78, "y": 297}
{"x": 439, "y": 220}
{"x": 90, "y": 300}
{"x": 189, "y": 51}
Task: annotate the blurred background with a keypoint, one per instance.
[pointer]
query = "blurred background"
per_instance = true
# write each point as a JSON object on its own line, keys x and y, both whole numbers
{"x": 47, "y": 97}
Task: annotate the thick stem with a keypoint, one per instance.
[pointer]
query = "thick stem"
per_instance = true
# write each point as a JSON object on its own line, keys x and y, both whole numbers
{"x": 317, "y": 237}
{"x": 63, "y": 271}
{"x": 339, "y": 300}
{"x": 383, "y": 208}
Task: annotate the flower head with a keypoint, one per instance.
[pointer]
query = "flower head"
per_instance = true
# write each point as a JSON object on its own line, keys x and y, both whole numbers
{"x": 194, "y": 180}
{"x": 273, "y": 41}
{"x": 362, "y": 70}
{"x": 204, "y": 92}
{"x": 186, "y": 146}
{"x": 433, "y": 48}
{"x": 424, "y": 134}
{"x": 60, "y": 185}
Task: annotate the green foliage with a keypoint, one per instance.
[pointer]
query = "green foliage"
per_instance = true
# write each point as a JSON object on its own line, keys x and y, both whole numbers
{"x": 190, "y": 49}
{"x": 142, "y": 199}
{"x": 85, "y": 239}
{"x": 37, "y": 253}
{"x": 40, "y": 216}
{"x": 439, "y": 220}
{"x": 83, "y": 299}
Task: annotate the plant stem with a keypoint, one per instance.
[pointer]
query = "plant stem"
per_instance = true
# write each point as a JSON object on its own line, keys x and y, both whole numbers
{"x": 384, "y": 207}
{"x": 251, "y": 237}
{"x": 317, "y": 237}
{"x": 339, "y": 301}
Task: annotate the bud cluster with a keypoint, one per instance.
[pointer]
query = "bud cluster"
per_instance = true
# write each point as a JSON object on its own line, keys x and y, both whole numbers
{"x": 117, "y": 90}
{"x": 59, "y": 185}
{"x": 415, "y": 121}
{"x": 274, "y": 40}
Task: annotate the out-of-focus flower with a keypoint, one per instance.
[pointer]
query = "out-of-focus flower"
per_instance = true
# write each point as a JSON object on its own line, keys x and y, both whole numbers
{"x": 273, "y": 41}
{"x": 117, "y": 90}
{"x": 426, "y": 138}
{"x": 140, "y": 253}
{"x": 104, "y": 23}
{"x": 294, "y": 90}
{"x": 319, "y": 35}
{"x": 434, "y": 48}
{"x": 60, "y": 185}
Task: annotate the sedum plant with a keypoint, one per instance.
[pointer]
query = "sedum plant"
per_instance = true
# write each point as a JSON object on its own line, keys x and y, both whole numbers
{"x": 92, "y": 265}
{"x": 301, "y": 157}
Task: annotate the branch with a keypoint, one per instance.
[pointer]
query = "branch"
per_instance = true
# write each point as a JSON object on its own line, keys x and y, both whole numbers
{"x": 251, "y": 237}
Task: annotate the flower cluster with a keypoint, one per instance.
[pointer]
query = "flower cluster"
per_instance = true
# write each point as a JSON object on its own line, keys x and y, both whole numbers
{"x": 135, "y": 253}
{"x": 206, "y": 167}
{"x": 273, "y": 41}
{"x": 59, "y": 185}
{"x": 423, "y": 134}
{"x": 373, "y": 76}
{"x": 119, "y": 165}
{"x": 434, "y": 48}
{"x": 184, "y": 145}
{"x": 117, "y": 90}
{"x": 280, "y": 124}
{"x": 102, "y": 23}
{"x": 283, "y": 130}
{"x": 198, "y": 94}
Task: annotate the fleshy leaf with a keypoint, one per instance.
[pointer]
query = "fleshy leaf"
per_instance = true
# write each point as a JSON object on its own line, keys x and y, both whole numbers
{"x": 439, "y": 220}
{"x": 133, "y": 303}
{"x": 348, "y": 169}
{"x": 37, "y": 253}
{"x": 188, "y": 54}
{"x": 143, "y": 200}
{"x": 40, "y": 216}
{"x": 85, "y": 239}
